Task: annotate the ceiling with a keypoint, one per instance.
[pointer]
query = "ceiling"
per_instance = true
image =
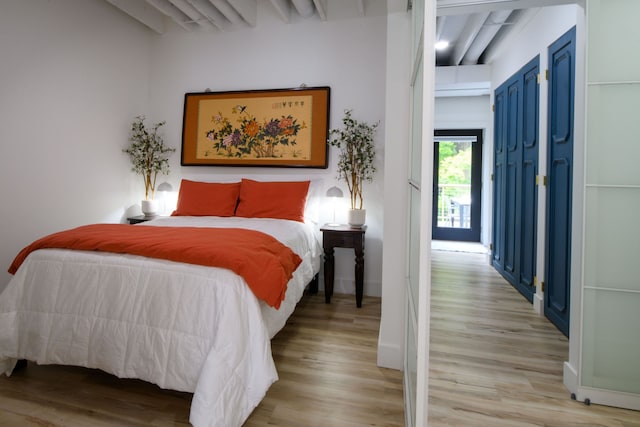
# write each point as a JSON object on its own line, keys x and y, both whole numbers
{"x": 475, "y": 29}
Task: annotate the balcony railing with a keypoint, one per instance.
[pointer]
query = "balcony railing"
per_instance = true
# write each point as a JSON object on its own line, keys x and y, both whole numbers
{"x": 454, "y": 205}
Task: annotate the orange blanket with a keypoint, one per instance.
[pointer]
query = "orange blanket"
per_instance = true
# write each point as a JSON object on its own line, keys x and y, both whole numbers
{"x": 265, "y": 264}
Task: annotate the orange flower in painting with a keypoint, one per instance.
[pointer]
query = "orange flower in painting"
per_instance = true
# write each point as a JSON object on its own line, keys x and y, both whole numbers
{"x": 287, "y": 131}
{"x": 251, "y": 128}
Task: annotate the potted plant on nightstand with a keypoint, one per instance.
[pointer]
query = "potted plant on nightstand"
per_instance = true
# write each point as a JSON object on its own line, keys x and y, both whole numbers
{"x": 149, "y": 156}
{"x": 355, "y": 161}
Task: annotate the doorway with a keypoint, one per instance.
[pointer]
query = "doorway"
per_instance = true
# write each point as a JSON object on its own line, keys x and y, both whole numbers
{"x": 457, "y": 175}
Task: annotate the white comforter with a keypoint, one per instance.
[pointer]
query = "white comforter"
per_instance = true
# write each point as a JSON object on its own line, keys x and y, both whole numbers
{"x": 183, "y": 327}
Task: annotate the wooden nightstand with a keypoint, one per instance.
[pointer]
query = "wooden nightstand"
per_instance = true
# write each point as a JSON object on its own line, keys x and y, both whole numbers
{"x": 342, "y": 236}
{"x": 137, "y": 219}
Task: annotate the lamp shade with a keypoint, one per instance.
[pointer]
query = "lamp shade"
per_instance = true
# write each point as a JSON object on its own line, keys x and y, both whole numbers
{"x": 334, "y": 192}
{"x": 165, "y": 186}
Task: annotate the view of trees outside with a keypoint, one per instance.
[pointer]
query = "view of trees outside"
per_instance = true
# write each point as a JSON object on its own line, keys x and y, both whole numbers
{"x": 454, "y": 184}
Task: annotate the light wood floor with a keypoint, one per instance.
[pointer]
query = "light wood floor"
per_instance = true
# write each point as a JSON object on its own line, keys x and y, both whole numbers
{"x": 493, "y": 361}
{"x": 326, "y": 360}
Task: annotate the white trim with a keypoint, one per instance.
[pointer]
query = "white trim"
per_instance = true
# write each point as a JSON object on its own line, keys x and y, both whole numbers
{"x": 609, "y": 398}
{"x": 424, "y": 296}
{"x": 390, "y": 356}
{"x": 408, "y": 410}
{"x": 626, "y": 82}
{"x": 632, "y": 186}
{"x": 572, "y": 376}
{"x": 538, "y": 303}
{"x": 600, "y": 288}
{"x": 569, "y": 377}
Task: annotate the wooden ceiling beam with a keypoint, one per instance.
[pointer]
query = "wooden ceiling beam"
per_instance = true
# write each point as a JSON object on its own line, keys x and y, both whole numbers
{"x": 172, "y": 12}
{"x": 193, "y": 14}
{"x": 463, "y": 7}
{"x": 283, "y": 7}
{"x": 227, "y": 10}
{"x": 321, "y": 7}
{"x": 469, "y": 34}
{"x": 142, "y": 12}
{"x": 211, "y": 13}
{"x": 248, "y": 9}
{"x": 305, "y": 8}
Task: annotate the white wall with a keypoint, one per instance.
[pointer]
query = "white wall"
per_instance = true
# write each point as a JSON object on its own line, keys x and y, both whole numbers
{"x": 72, "y": 76}
{"x": 347, "y": 55}
{"x": 82, "y": 70}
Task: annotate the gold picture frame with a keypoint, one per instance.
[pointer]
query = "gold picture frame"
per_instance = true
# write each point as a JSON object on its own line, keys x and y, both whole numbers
{"x": 275, "y": 127}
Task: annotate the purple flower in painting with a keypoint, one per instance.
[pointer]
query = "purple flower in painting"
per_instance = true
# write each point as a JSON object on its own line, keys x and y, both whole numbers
{"x": 235, "y": 138}
{"x": 227, "y": 141}
{"x": 211, "y": 135}
{"x": 272, "y": 128}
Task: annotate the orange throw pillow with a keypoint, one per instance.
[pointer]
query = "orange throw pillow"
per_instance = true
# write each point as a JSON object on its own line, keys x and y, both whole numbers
{"x": 280, "y": 200}
{"x": 207, "y": 198}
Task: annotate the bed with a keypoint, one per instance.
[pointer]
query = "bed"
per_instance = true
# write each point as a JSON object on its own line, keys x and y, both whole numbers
{"x": 185, "y": 327}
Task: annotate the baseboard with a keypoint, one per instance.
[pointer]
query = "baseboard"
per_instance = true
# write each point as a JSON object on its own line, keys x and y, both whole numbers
{"x": 596, "y": 395}
{"x": 569, "y": 377}
{"x": 390, "y": 356}
{"x": 608, "y": 398}
{"x": 538, "y": 304}
{"x": 347, "y": 286}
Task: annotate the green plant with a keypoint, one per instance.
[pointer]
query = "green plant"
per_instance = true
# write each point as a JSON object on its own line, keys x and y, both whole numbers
{"x": 356, "y": 156}
{"x": 148, "y": 153}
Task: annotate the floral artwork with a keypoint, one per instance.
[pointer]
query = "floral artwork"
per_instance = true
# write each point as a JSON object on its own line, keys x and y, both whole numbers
{"x": 273, "y": 127}
{"x": 255, "y": 128}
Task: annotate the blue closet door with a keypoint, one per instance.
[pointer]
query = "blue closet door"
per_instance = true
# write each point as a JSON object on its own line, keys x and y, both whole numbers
{"x": 500, "y": 136}
{"x": 528, "y": 189}
{"x": 513, "y": 162}
{"x": 559, "y": 191}
{"x": 515, "y": 170}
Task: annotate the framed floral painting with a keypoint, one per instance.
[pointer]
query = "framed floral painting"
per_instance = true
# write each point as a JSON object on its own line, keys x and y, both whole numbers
{"x": 278, "y": 127}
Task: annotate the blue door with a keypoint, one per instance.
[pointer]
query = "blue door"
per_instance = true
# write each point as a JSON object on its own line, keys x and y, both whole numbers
{"x": 515, "y": 170}
{"x": 559, "y": 191}
{"x": 513, "y": 153}
{"x": 500, "y": 137}
{"x": 528, "y": 188}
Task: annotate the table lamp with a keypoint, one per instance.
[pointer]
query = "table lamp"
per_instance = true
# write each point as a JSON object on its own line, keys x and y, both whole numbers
{"x": 334, "y": 193}
{"x": 163, "y": 189}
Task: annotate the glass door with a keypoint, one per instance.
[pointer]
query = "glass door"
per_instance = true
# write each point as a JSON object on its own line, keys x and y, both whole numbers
{"x": 457, "y": 160}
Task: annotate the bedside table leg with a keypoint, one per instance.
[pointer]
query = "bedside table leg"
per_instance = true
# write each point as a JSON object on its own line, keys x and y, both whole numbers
{"x": 359, "y": 276}
{"x": 329, "y": 264}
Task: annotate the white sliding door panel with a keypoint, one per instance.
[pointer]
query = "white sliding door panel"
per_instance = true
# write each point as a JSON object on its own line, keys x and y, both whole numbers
{"x": 610, "y": 345}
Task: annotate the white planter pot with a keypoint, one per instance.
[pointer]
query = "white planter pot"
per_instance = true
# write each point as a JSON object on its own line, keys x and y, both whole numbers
{"x": 149, "y": 208}
{"x": 356, "y": 217}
